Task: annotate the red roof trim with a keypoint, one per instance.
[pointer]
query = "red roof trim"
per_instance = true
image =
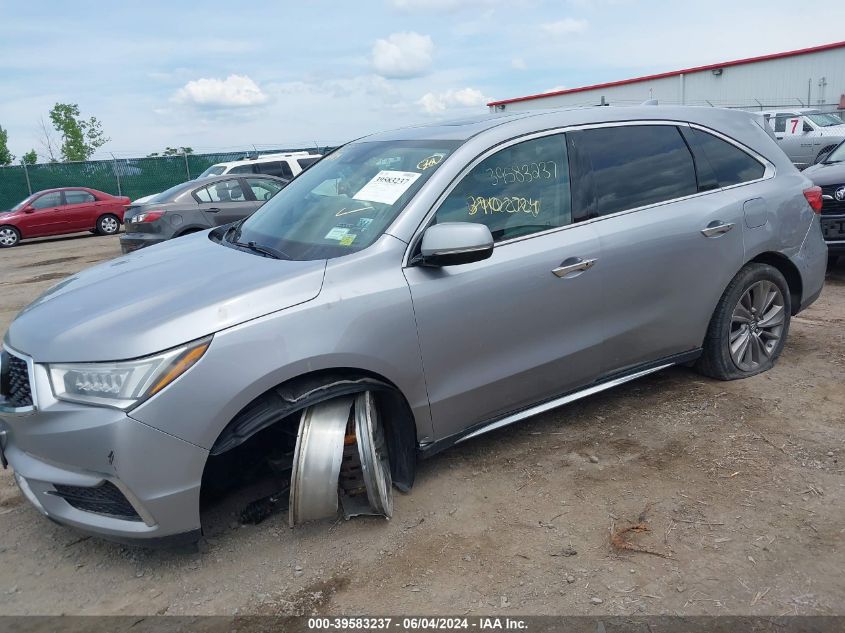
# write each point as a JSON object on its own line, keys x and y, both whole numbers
{"x": 674, "y": 73}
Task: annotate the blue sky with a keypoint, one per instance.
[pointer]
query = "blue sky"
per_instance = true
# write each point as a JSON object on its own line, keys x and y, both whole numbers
{"x": 223, "y": 75}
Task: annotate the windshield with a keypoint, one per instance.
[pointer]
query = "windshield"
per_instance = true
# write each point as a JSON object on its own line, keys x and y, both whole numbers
{"x": 20, "y": 205}
{"x": 344, "y": 202}
{"x": 837, "y": 155}
{"x": 824, "y": 119}
{"x": 214, "y": 170}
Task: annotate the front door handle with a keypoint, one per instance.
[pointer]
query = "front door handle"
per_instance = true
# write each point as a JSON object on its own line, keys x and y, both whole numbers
{"x": 716, "y": 228}
{"x": 213, "y": 209}
{"x": 577, "y": 265}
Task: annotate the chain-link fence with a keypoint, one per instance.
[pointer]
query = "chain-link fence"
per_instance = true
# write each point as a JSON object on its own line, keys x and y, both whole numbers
{"x": 132, "y": 177}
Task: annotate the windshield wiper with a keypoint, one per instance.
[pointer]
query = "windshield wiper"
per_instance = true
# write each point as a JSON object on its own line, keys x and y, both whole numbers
{"x": 830, "y": 162}
{"x": 263, "y": 250}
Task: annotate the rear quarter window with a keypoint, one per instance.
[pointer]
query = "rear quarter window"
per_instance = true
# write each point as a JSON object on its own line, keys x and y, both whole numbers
{"x": 729, "y": 164}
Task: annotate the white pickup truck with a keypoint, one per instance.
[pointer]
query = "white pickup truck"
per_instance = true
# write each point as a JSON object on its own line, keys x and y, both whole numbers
{"x": 805, "y": 134}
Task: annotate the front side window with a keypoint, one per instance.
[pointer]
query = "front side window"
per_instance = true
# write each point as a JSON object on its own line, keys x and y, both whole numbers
{"x": 306, "y": 162}
{"x": 345, "y": 202}
{"x": 517, "y": 191}
{"x": 262, "y": 188}
{"x": 78, "y": 197}
{"x": 729, "y": 164}
{"x": 223, "y": 191}
{"x": 47, "y": 200}
{"x": 242, "y": 169}
{"x": 636, "y": 165}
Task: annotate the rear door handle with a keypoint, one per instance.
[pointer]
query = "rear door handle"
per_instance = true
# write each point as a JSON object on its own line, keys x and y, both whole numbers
{"x": 213, "y": 209}
{"x": 577, "y": 265}
{"x": 716, "y": 228}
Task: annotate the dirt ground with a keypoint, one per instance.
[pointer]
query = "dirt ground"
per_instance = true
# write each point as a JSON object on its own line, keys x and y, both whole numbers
{"x": 736, "y": 491}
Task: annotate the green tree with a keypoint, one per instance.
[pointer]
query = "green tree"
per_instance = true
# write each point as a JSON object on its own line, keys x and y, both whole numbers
{"x": 31, "y": 157}
{"x": 6, "y": 157}
{"x": 80, "y": 138}
{"x": 172, "y": 151}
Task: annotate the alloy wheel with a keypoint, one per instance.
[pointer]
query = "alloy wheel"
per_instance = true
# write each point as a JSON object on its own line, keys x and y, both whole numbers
{"x": 756, "y": 325}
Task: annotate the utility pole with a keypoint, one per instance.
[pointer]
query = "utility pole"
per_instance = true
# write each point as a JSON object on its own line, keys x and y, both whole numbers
{"x": 26, "y": 173}
{"x": 187, "y": 167}
{"x": 116, "y": 173}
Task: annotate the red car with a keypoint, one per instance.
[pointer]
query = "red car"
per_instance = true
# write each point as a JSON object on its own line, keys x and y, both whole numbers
{"x": 59, "y": 211}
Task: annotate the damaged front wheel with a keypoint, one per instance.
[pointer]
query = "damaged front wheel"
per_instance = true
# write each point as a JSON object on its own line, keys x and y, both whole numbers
{"x": 340, "y": 453}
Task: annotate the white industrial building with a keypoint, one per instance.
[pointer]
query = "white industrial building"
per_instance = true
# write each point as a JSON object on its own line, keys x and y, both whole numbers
{"x": 810, "y": 77}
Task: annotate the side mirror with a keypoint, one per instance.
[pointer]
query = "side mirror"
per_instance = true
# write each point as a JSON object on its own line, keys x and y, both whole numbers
{"x": 29, "y": 209}
{"x": 453, "y": 243}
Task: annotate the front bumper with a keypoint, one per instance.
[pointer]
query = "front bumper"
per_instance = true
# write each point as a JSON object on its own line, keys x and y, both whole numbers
{"x": 152, "y": 478}
{"x": 133, "y": 241}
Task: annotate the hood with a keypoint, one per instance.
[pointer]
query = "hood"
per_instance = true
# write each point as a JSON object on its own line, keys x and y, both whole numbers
{"x": 823, "y": 175}
{"x": 157, "y": 298}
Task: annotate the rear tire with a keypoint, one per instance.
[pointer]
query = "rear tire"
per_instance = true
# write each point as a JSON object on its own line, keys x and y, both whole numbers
{"x": 749, "y": 326}
{"x": 9, "y": 236}
{"x": 108, "y": 224}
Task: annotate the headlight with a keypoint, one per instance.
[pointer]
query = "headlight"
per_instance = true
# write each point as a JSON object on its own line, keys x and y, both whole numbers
{"x": 123, "y": 384}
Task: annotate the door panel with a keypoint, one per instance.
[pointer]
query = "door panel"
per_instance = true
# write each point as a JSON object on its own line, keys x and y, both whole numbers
{"x": 664, "y": 276}
{"x": 80, "y": 211}
{"x": 504, "y": 333}
{"x": 226, "y": 201}
{"x": 46, "y": 218}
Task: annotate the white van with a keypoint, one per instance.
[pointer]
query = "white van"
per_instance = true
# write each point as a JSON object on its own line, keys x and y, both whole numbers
{"x": 286, "y": 165}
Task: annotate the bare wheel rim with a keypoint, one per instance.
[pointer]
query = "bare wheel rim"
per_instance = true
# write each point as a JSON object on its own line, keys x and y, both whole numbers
{"x": 756, "y": 325}
{"x": 8, "y": 237}
{"x": 109, "y": 225}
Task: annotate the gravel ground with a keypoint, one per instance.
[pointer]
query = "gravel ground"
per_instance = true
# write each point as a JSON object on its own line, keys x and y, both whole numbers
{"x": 674, "y": 494}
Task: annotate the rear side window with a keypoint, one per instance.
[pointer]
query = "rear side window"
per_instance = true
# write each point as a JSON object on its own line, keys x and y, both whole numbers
{"x": 78, "y": 197}
{"x": 275, "y": 168}
{"x": 517, "y": 191}
{"x": 634, "y": 166}
{"x": 729, "y": 164}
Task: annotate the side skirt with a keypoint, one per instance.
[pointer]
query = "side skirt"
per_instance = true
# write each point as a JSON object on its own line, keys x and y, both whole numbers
{"x": 607, "y": 382}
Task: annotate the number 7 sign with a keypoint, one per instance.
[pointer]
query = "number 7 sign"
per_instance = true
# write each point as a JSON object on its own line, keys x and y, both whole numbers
{"x": 794, "y": 126}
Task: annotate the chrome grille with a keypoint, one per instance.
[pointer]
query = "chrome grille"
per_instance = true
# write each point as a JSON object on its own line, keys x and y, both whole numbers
{"x": 833, "y": 205}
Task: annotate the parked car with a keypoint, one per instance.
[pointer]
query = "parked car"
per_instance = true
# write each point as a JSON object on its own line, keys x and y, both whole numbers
{"x": 60, "y": 211}
{"x": 829, "y": 174}
{"x": 805, "y": 134}
{"x": 413, "y": 290}
{"x": 284, "y": 165}
{"x": 196, "y": 206}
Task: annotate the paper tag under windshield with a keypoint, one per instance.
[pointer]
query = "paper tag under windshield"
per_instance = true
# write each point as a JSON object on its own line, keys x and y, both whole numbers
{"x": 387, "y": 186}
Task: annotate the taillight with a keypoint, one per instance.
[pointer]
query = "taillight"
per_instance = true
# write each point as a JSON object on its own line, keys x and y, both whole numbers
{"x": 152, "y": 216}
{"x": 814, "y": 198}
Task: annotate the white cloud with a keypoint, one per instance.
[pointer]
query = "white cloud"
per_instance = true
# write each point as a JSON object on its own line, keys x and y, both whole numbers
{"x": 402, "y": 55}
{"x": 437, "y": 103}
{"x": 233, "y": 92}
{"x": 518, "y": 63}
{"x": 554, "y": 89}
{"x": 439, "y": 5}
{"x": 564, "y": 26}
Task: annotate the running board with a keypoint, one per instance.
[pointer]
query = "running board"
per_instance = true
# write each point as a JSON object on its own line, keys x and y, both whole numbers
{"x": 554, "y": 404}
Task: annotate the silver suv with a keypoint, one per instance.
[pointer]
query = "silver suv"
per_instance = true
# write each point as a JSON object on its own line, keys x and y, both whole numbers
{"x": 410, "y": 291}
